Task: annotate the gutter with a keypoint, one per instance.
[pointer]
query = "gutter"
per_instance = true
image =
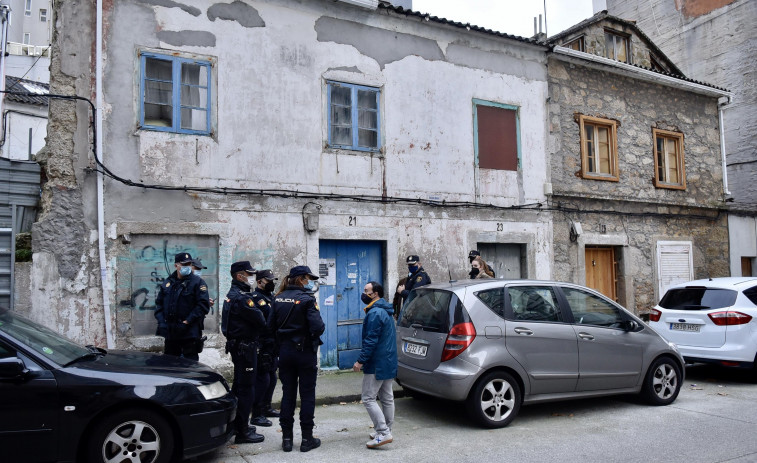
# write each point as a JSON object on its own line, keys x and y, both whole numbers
{"x": 645, "y": 74}
{"x": 722, "y": 103}
{"x": 104, "y": 280}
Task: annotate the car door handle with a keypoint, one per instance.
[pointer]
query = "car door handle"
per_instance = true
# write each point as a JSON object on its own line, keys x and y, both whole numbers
{"x": 525, "y": 331}
{"x": 586, "y": 336}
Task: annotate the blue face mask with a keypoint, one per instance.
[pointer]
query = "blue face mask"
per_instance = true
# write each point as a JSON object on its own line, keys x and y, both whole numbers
{"x": 412, "y": 268}
{"x": 185, "y": 271}
{"x": 197, "y": 272}
{"x": 310, "y": 286}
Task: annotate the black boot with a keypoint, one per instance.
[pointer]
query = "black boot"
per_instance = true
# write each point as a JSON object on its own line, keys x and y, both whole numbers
{"x": 309, "y": 444}
{"x": 248, "y": 436}
{"x": 271, "y": 413}
{"x": 286, "y": 444}
{"x": 261, "y": 421}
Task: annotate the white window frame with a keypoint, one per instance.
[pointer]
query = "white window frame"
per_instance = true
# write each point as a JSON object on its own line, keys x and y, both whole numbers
{"x": 27, "y": 38}
{"x": 28, "y": 8}
{"x": 669, "y": 255}
{"x": 43, "y": 15}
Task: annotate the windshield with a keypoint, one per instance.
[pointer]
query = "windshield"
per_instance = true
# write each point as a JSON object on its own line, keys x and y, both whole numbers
{"x": 40, "y": 339}
{"x": 698, "y": 298}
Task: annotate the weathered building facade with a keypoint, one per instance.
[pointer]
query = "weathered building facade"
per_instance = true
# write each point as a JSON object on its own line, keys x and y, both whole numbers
{"x": 713, "y": 40}
{"x": 635, "y": 166}
{"x": 284, "y": 133}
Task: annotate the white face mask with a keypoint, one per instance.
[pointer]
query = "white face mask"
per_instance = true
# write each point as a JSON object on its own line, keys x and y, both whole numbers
{"x": 197, "y": 272}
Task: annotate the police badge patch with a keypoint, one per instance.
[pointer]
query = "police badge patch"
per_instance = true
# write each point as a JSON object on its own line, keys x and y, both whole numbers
{"x": 203, "y": 288}
{"x": 418, "y": 280}
{"x": 168, "y": 284}
{"x": 261, "y": 302}
{"x": 250, "y": 303}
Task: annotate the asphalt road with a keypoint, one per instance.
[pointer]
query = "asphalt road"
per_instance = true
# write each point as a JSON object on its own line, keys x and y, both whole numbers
{"x": 714, "y": 419}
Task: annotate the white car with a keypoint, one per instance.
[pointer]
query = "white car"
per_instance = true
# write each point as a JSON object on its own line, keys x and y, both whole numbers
{"x": 711, "y": 321}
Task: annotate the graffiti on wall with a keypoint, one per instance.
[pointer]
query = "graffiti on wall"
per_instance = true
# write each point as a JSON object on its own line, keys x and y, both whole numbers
{"x": 149, "y": 262}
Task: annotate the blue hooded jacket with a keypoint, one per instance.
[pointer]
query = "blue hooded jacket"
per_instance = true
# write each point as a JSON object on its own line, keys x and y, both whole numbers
{"x": 379, "y": 352}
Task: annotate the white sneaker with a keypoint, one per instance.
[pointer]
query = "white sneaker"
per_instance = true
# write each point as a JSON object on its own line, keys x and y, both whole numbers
{"x": 379, "y": 440}
{"x": 372, "y": 435}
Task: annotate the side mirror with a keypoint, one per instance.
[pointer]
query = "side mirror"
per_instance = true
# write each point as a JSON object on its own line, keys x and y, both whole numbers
{"x": 12, "y": 368}
{"x": 631, "y": 325}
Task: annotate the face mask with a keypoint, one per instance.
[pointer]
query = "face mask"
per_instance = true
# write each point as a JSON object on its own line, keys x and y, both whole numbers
{"x": 185, "y": 271}
{"x": 474, "y": 272}
{"x": 269, "y": 286}
{"x": 310, "y": 286}
{"x": 412, "y": 268}
{"x": 197, "y": 272}
{"x": 365, "y": 298}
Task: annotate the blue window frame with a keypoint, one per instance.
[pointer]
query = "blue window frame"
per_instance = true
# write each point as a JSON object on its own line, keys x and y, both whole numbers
{"x": 354, "y": 118}
{"x": 175, "y": 94}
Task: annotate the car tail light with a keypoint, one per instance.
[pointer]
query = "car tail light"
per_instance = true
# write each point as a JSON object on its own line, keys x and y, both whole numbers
{"x": 729, "y": 317}
{"x": 459, "y": 338}
{"x": 654, "y": 315}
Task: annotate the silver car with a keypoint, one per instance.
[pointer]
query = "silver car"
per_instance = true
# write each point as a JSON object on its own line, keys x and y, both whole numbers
{"x": 498, "y": 344}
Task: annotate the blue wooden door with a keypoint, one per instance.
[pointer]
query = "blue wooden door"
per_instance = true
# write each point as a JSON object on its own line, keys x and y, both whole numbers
{"x": 345, "y": 267}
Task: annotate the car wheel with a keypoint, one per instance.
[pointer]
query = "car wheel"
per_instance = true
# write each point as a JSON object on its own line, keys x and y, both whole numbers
{"x": 495, "y": 400}
{"x": 132, "y": 435}
{"x": 663, "y": 382}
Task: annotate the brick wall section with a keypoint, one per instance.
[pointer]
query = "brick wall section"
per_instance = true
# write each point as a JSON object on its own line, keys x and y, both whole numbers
{"x": 635, "y": 209}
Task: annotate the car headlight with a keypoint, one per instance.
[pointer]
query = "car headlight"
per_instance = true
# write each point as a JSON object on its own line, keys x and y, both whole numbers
{"x": 212, "y": 391}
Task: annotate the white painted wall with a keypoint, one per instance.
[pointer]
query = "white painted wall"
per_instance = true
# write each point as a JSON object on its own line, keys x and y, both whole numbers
{"x": 19, "y": 120}
{"x": 742, "y": 234}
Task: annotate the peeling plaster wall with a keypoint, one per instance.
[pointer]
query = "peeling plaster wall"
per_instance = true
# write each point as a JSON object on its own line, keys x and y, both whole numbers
{"x": 271, "y": 60}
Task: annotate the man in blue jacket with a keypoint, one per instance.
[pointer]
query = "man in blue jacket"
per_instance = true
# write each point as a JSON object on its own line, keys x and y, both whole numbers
{"x": 378, "y": 359}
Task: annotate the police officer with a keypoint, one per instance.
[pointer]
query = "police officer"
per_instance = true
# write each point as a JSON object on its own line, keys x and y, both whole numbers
{"x": 180, "y": 309}
{"x": 242, "y": 330}
{"x": 297, "y": 324}
{"x": 471, "y": 256}
{"x": 197, "y": 269}
{"x": 268, "y": 356}
{"x": 417, "y": 277}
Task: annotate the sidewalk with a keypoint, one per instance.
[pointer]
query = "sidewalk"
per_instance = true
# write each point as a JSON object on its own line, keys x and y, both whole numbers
{"x": 333, "y": 387}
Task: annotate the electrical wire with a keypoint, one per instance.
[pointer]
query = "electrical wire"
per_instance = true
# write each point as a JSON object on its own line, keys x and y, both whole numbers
{"x": 277, "y": 193}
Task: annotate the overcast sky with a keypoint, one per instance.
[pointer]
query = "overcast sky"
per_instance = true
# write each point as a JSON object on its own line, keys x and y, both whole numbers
{"x": 514, "y": 17}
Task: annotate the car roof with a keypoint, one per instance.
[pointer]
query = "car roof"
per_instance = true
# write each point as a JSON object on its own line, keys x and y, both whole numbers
{"x": 455, "y": 284}
{"x": 735, "y": 283}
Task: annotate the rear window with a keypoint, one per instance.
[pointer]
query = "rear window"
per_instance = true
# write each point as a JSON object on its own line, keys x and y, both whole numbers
{"x": 751, "y": 294}
{"x": 432, "y": 310}
{"x": 698, "y": 298}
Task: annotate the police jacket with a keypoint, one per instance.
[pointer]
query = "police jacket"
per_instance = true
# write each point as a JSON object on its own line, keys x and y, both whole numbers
{"x": 246, "y": 321}
{"x": 180, "y": 300}
{"x": 296, "y": 319}
{"x": 379, "y": 352}
{"x": 263, "y": 301}
{"x": 416, "y": 280}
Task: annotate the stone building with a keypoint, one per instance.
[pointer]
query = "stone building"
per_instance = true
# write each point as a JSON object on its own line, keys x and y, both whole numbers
{"x": 285, "y": 133}
{"x": 714, "y": 40}
{"x": 636, "y": 172}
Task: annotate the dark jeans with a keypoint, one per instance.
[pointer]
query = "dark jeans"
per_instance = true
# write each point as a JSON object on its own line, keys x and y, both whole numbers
{"x": 182, "y": 348}
{"x": 265, "y": 383}
{"x": 297, "y": 366}
{"x": 243, "y": 387}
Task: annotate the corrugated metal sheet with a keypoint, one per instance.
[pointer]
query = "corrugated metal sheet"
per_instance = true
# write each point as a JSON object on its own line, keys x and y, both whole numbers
{"x": 19, "y": 182}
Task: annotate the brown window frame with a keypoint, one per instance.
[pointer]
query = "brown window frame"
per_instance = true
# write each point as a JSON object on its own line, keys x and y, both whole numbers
{"x": 620, "y": 35}
{"x": 579, "y": 41}
{"x": 680, "y": 159}
{"x": 612, "y": 126}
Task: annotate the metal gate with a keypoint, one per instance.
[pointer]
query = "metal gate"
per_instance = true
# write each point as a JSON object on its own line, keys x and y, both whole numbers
{"x": 345, "y": 267}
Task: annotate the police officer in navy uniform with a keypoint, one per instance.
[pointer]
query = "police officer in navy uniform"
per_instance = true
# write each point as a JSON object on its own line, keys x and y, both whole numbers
{"x": 472, "y": 255}
{"x": 417, "y": 277}
{"x": 268, "y": 355}
{"x": 296, "y": 322}
{"x": 243, "y": 327}
{"x": 180, "y": 309}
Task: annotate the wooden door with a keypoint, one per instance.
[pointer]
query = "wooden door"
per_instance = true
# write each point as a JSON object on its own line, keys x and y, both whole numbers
{"x": 600, "y": 271}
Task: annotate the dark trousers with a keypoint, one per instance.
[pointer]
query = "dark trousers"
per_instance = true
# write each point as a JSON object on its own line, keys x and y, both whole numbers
{"x": 182, "y": 348}
{"x": 243, "y": 387}
{"x": 297, "y": 366}
{"x": 265, "y": 383}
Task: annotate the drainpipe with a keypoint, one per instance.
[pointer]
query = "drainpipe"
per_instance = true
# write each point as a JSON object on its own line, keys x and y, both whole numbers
{"x": 722, "y": 103}
{"x": 4, "y": 11}
{"x": 104, "y": 280}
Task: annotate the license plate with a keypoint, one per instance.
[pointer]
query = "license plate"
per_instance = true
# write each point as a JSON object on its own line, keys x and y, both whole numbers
{"x": 416, "y": 349}
{"x": 685, "y": 327}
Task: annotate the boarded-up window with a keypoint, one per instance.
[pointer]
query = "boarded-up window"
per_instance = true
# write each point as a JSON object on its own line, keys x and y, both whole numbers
{"x": 674, "y": 264}
{"x": 497, "y": 136}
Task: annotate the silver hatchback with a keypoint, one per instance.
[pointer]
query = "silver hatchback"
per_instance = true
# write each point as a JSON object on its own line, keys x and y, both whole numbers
{"x": 498, "y": 344}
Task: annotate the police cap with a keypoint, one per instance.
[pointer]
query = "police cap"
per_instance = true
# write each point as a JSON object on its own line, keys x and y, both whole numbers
{"x": 302, "y": 270}
{"x": 266, "y": 273}
{"x": 413, "y": 259}
{"x": 473, "y": 254}
{"x": 197, "y": 262}
{"x": 182, "y": 258}
{"x": 242, "y": 266}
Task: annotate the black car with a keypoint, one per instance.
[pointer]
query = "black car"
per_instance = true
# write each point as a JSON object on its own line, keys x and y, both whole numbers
{"x": 60, "y": 401}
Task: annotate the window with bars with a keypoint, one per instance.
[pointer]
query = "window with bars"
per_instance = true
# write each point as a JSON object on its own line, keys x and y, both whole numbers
{"x": 599, "y": 148}
{"x": 669, "y": 160}
{"x": 354, "y": 117}
{"x": 616, "y": 46}
{"x": 175, "y": 94}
